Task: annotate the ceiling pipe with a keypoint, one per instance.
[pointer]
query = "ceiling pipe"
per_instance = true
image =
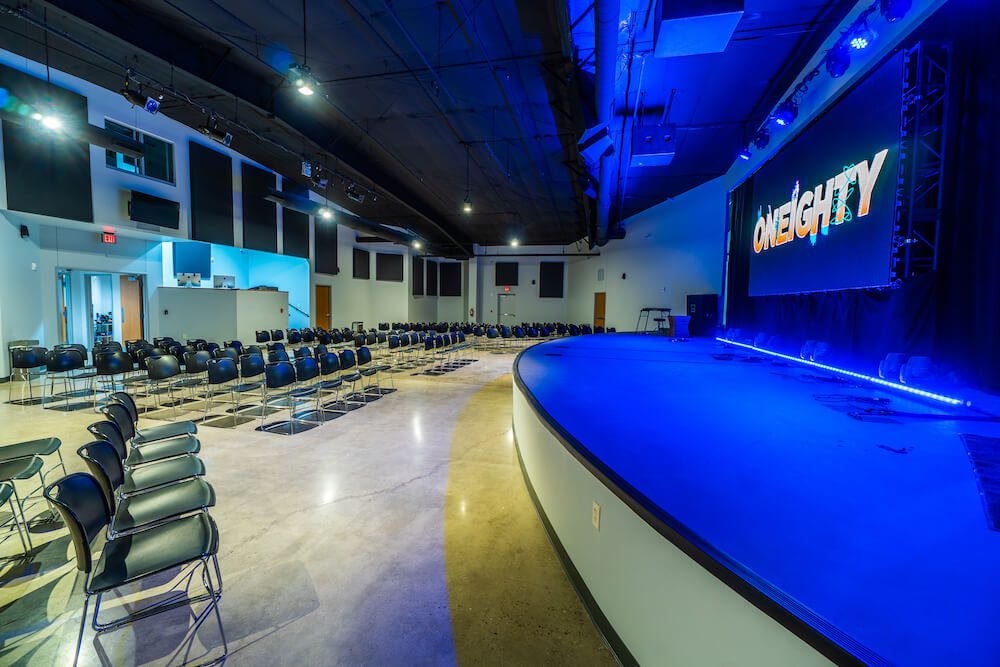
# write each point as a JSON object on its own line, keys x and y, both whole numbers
{"x": 606, "y": 15}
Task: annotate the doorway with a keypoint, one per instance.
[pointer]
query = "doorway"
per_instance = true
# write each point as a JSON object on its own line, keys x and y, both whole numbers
{"x": 131, "y": 307}
{"x": 323, "y": 314}
{"x": 600, "y": 299}
{"x": 65, "y": 304}
{"x": 507, "y": 309}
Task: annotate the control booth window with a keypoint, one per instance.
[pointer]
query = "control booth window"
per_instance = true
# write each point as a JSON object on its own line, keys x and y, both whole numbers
{"x": 156, "y": 162}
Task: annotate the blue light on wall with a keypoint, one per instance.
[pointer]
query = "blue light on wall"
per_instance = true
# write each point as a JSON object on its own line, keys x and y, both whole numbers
{"x": 947, "y": 400}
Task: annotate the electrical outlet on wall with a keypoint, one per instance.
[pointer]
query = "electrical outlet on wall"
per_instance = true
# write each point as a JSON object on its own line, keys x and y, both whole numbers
{"x": 595, "y": 516}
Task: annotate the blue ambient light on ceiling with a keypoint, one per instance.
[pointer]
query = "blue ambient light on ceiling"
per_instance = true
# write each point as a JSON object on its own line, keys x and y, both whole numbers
{"x": 948, "y": 400}
{"x": 744, "y": 154}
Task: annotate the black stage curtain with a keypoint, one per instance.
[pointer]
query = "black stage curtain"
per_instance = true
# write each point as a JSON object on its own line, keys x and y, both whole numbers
{"x": 953, "y": 314}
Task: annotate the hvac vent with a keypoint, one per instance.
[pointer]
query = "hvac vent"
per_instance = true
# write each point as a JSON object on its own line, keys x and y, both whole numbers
{"x": 600, "y": 275}
{"x": 653, "y": 145}
{"x": 691, "y": 27}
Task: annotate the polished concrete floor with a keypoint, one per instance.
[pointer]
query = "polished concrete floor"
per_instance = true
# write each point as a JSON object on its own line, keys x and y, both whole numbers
{"x": 399, "y": 534}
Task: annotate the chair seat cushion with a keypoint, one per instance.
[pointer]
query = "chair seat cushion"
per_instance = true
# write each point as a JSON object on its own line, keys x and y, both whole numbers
{"x": 351, "y": 377}
{"x": 151, "y": 551}
{"x": 170, "y": 501}
{"x": 163, "y": 449}
{"x": 383, "y": 367}
{"x": 190, "y": 382}
{"x": 302, "y": 392}
{"x": 330, "y": 384}
{"x": 164, "y": 432}
{"x": 247, "y": 386}
{"x": 165, "y": 472}
{"x": 368, "y": 372}
{"x": 41, "y": 447}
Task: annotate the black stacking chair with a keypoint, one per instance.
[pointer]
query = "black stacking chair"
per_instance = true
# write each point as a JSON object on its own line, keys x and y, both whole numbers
{"x": 303, "y": 352}
{"x": 574, "y": 330}
{"x": 331, "y": 382}
{"x": 324, "y": 338}
{"x": 184, "y": 543}
{"x": 226, "y": 353}
{"x": 319, "y": 350}
{"x": 348, "y": 366}
{"x": 294, "y": 337}
{"x": 195, "y": 370}
{"x": 163, "y": 371}
{"x": 224, "y": 372}
{"x": 153, "y": 433}
{"x": 235, "y": 344}
{"x": 62, "y": 365}
{"x": 139, "y": 356}
{"x": 367, "y": 369}
{"x": 110, "y": 365}
{"x": 279, "y": 385}
{"x": 252, "y": 372}
{"x": 277, "y": 335}
{"x": 117, "y": 429}
{"x": 263, "y": 337}
{"x": 273, "y": 347}
{"x": 25, "y": 360}
{"x": 585, "y": 329}
{"x": 274, "y": 356}
{"x": 308, "y": 336}
{"x": 143, "y": 510}
{"x": 7, "y": 498}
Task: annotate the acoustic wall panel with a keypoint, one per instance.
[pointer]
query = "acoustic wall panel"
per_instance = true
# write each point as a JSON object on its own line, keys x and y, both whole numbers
{"x": 211, "y": 175}
{"x": 417, "y": 276}
{"x": 260, "y": 216}
{"x": 326, "y": 247}
{"x": 362, "y": 264}
{"x": 450, "y": 275}
{"x": 432, "y": 278}
{"x": 388, "y": 267}
{"x": 46, "y": 172}
{"x": 506, "y": 273}
{"x": 295, "y": 228}
{"x": 550, "y": 280}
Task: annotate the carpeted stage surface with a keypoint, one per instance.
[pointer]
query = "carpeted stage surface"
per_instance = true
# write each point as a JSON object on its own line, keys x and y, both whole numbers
{"x": 859, "y": 505}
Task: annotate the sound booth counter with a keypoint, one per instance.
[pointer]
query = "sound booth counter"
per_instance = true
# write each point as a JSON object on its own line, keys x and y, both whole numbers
{"x": 219, "y": 314}
{"x": 713, "y": 510}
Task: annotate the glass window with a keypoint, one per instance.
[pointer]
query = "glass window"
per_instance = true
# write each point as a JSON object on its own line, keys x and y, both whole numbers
{"x": 158, "y": 155}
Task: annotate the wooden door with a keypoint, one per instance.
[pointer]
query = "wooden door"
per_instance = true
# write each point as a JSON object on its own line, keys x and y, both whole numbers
{"x": 131, "y": 295}
{"x": 599, "y": 303}
{"x": 323, "y": 314}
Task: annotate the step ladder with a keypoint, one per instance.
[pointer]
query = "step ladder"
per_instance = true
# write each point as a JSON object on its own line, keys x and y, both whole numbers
{"x": 660, "y": 322}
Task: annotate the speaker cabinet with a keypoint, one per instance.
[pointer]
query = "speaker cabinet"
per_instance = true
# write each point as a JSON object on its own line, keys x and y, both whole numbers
{"x": 703, "y": 309}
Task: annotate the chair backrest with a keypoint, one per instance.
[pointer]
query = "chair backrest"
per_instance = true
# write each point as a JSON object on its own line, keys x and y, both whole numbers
{"x": 163, "y": 367}
{"x": 303, "y": 352}
{"x": 61, "y": 361}
{"x": 414, "y": 338}
{"x": 306, "y": 369}
{"x": 103, "y": 463}
{"x": 347, "y": 359}
{"x": 461, "y": 336}
{"x": 371, "y": 339}
{"x": 209, "y": 347}
{"x": 108, "y": 430}
{"x": 129, "y": 403}
{"x": 82, "y": 349}
{"x": 79, "y": 499}
{"x": 279, "y": 374}
{"x": 253, "y": 349}
{"x": 336, "y": 337}
{"x": 393, "y": 342}
{"x": 235, "y": 344}
{"x": 294, "y": 337}
{"x": 222, "y": 370}
{"x": 113, "y": 363}
{"x": 263, "y": 336}
{"x": 429, "y": 343}
{"x": 271, "y": 347}
{"x": 196, "y": 362}
{"x": 319, "y": 350}
{"x": 227, "y": 353}
{"x": 251, "y": 365}
{"x": 276, "y": 355}
{"x": 308, "y": 335}
{"x": 364, "y": 356}
{"x": 329, "y": 363}
{"x": 277, "y": 334}
{"x": 119, "y": 415}
{"x": 324, "y": 338}
{"x": 359, "y": 339}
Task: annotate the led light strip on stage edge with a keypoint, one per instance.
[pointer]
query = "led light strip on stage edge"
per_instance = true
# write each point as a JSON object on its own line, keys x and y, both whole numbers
{"x": 948, "y": 400}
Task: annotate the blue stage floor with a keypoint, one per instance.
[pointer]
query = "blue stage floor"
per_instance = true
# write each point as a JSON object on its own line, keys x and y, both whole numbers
{"x": 877, "y": 527}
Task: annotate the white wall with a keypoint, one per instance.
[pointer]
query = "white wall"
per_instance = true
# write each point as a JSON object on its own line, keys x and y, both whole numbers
{"x": 530, "y": 307}
{"x": 669, "y": 251}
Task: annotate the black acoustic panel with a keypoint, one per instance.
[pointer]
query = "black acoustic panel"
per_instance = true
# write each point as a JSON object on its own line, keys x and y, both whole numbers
{"x": 550, "y": 280}
{"x": 362, "y": 264}
{"x": 432, "y": 278}
{"x": 506, "y": 273}
{"x": 450, "y": 275}
{"x": 417, "y": 276}
{"x": 154, "y": 210}
{"x": 326, "y": 247}
{"x": 388, "y": 267}
{"x": 211, "y": 195}
{"x": 260, "y": 216}
{"x": 46, "y": 172}
{"x": 295, "y": 233}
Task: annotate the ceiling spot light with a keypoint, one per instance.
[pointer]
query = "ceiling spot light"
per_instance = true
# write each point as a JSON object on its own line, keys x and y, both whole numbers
{"x": 744, "y": 154}
{"x": 417, "y": 245}
{"x": 862, "y": 37}
{"x": 325, "y": 213}
{"x": 786, "y": 112}
{"x": 838, "y": 60}
{"x": 303, "y": 80}
{"x": 467, "y": 204}
{"x": 514, "y": 243}
{"x": 212, "y": 131}
{"x": 761, "y": 139}
{"x": 50, "y": 121}
{"x": 893, "y": 10}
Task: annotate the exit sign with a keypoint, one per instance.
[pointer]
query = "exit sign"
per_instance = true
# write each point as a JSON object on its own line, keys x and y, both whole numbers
{"x": 506, "y": 289}
{"x": 109, "y": 238}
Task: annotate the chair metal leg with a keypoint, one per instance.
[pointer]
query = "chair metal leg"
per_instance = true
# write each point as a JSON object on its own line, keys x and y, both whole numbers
{"x": 83, "y": 625}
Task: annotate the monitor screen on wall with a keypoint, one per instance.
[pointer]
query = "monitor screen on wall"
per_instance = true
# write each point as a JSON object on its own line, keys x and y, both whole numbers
{"x": 506, "y": 273}
{"x": 193, "y": 257}
{"x": 154, "y": 210}
{"x": 819, "y": 215}
{"x": 388, "y": 267}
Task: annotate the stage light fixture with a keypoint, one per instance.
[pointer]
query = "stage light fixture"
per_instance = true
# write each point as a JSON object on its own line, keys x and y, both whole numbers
{"x": 325, "y": 213}
{"x": 941, "y": 398}
{"x": 137, "y": 99}
{"x": 514, "y": 243}
{"x": 862, "y": 36}
{"x": 893, "y": 10}
{"x": 838, "y": 60}
{"x": 303, "y": 80}
{"x": 761, "y": 139}
{"x": 417, "y": 245}
{"x": 213, "y": 132}
{"x": 786, "y": 112}
{"x": 745, "y": 153}
{"x": 467, "y": 204}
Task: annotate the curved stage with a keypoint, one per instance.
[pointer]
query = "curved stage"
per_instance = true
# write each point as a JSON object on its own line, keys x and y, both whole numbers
{"x": 748, "y": 517}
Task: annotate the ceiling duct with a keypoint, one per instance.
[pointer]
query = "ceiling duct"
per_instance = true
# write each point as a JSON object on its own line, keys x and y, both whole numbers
{"x": 692, "y": 27}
